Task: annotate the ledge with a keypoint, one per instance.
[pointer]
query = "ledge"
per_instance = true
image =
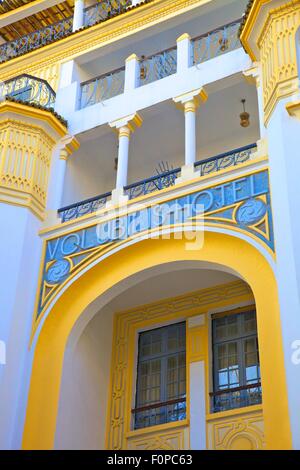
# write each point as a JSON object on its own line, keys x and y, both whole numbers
{"x": 39, "y": 112}
{"x": 293, "y": 108}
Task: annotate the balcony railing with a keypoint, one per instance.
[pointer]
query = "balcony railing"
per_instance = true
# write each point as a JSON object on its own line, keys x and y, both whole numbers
{"x": 156, "y": 183}
{"x": 102, "y": 88}
{"x": 236, "y": 397}
{"x": 216, "y": 42}
{"x": 29, "y": 89}
{"x": 103, "y": 10}
{"x": 95, "y": 14}
{"x": 162, "y": 64}
{"x": 159, "y": 413}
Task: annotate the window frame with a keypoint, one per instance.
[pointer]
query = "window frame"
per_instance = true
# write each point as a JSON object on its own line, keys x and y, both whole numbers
{"x": 213, "y": 359}
{"x": 163, "y": 357}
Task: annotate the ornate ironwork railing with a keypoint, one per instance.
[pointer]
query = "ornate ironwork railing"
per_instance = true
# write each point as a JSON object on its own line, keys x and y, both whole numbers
{"x": 158, "y": 66}
{"x": 102, "y": 88}
{"x": 37, "y": 39}
{"x": 160, "y": 413}
{"x": 216, "y": 42}
{"x": 225, "y": 160}
{"x": 92, "y": 15}
{"x": 103, "y": 10}
{"x": 87, "y": 206}
{"x": 29, "y": 89}
{"x": 155, "y": 183}
{"x": 158, "y": 182}
{"x": 237, "y": 397}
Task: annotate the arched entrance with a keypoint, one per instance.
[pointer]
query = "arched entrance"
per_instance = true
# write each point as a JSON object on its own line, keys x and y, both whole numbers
{"x": 219, "y": 249}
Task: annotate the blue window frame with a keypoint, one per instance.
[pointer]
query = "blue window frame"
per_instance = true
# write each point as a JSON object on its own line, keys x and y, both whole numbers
{"x": 236, "y": 369}
{"x": 161, "y": 376}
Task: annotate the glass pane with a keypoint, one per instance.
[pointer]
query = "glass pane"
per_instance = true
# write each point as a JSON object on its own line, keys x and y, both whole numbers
{"x": 161, "y": 376}
{"x": 249, "y": 322}
{"x": 237, "y": 362}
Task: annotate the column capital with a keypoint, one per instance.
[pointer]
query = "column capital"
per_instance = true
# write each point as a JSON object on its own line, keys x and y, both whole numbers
{"x": 132, "y": 57}
{"x": 68, "y": 145}
{"x": 253, "y": 75}
{"x": 191, "y": 100}
{"x": 132, "y": 122}
{"x": 183, "y": 37}
{"x": 293, "y": 108}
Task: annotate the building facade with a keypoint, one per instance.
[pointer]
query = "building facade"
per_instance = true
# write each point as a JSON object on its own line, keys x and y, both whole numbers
{"x": 149, "y": 202}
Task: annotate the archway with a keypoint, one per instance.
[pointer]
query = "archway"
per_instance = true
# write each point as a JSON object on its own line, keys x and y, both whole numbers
{"x": 220, "y": 249}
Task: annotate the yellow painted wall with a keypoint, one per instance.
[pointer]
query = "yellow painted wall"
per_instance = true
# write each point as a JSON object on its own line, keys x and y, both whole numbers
{"x": 218, "y": 248}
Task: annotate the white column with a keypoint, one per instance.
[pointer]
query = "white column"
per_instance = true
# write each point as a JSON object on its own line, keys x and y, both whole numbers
{"x": 132, "y": 72}
{"x": 57, "y": 178}
{"x": 190, "y": 132}
{"x": 78, "y": 14}
{"x": 124, "y": 127}
{"x": 122, "y": 171}
{"x": 189, "y": 103}
{"x": 184, "y": 53}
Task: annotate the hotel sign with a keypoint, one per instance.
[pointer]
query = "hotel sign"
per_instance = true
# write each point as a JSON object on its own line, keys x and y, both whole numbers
{"x": 242, "y": 204}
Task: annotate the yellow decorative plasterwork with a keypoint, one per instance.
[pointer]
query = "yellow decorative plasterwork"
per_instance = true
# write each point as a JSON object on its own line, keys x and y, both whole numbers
{"x": 27, "y": 139}
{"x": 172, "y": 438}
{"x": 126, "y": 326}
{"x": 25, "y": 162}
{"x": 241, "y": 429}
{"x": 276, "y": 42}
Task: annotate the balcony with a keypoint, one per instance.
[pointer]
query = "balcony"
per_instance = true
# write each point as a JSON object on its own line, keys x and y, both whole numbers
{"x": 29, "y": 89}
{"x": 158, "y": 182}
{"x": 94, "y": 14}
{"x": 162, "y": 64}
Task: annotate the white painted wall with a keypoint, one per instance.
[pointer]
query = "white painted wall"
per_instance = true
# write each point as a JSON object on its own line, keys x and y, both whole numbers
{"x": 20, "y": 252}
{"x": 84, "y": 391}
{"x": 283, "y": 141}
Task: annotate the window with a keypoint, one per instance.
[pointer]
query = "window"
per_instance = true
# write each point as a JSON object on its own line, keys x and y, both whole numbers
{"x": 161, "y": 377}
{"x": 22, "y": 94}
{"x": 235, "y": 361}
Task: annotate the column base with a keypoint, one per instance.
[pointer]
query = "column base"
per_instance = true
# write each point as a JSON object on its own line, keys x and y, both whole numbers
{"x": 117, "y": 198}
{"x": 187, "y": 173}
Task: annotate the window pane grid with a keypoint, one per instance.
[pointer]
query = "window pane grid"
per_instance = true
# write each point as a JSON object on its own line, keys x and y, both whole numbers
{"x": 236, "y": 362}
{"x": 161, "y": 377}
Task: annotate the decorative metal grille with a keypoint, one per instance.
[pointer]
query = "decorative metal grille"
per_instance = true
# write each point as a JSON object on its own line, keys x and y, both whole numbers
{"x": 225, "y": 160}
{"x": 92, "y": 15}
{"x": 102, "y": 88}
{"x": 216, "y": 42}
{"x": 82, "y": 208}
{"x": 29, "y": 89}
{"x": 39, "y": 38}
{"x": 158, "y": 66}
{"x": 155, "y": 183}
{"x": 158, "y": 182}
{"x": 103, "y": 10}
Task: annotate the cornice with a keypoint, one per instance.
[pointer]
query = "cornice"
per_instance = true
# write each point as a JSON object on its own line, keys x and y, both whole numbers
{"x": 48, "y": 116}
